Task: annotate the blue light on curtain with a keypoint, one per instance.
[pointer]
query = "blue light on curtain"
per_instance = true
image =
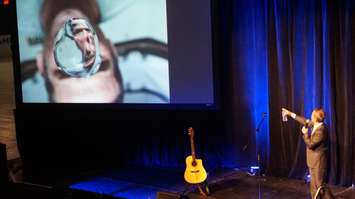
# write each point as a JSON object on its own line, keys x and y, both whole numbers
{"x": 250, "y": 43}
{"x": 293, "y": 54}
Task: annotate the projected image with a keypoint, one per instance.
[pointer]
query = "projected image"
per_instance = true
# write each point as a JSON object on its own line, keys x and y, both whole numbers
{"x": 93, "y": 51}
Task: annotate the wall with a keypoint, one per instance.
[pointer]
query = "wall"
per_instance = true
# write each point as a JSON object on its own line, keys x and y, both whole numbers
{"x": 7, "y": 99}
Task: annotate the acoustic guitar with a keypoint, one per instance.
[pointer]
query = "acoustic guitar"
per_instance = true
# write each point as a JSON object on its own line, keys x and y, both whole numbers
{"x": 194, "y": 172}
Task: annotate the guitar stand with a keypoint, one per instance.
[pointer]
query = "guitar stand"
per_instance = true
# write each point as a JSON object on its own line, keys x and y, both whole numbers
{"x": 202, "y": 188}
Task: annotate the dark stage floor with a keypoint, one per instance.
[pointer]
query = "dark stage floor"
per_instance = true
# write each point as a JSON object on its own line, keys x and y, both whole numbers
{"x": 138, "y": 183}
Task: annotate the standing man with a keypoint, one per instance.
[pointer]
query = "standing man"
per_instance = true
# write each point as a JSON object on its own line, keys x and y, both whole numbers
{"x": 317, "y": 148}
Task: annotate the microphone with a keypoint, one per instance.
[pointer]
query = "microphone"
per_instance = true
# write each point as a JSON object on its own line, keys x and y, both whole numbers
{"x": 264, "y": 114}
{"x": 309, "y": 124}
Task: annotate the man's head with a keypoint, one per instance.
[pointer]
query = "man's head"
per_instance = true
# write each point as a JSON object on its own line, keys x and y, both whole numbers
{"x": 102, "y": 87}
{"x": 318, "y": 115}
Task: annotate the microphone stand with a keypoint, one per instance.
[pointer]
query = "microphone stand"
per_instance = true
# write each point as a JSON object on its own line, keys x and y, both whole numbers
{"x": 257, "y": 130}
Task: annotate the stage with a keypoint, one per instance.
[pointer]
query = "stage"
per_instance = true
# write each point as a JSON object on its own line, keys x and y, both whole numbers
{"x": 94, "y": 87}
{"x": 224, "y": 184}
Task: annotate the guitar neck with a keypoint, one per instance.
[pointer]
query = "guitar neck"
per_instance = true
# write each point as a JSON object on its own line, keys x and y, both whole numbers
{"x": 193, "y": 153}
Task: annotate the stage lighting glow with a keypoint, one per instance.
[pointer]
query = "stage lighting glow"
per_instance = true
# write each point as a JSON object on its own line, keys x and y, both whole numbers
{"x": 308, "y": 178}
{"x": 6, "y": 2}
{"x": 254, "y": 170}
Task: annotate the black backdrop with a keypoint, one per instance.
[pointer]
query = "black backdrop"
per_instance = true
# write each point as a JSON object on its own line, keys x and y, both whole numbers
{"x": 268, "y": 54}
{"x": 59, "y": 144}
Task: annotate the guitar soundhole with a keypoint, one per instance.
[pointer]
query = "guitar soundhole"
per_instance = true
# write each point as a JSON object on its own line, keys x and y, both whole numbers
{"x": 194, "y": 163}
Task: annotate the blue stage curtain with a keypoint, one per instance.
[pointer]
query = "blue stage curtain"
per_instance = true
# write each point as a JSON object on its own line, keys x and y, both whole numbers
{"x": 293, "y": 54}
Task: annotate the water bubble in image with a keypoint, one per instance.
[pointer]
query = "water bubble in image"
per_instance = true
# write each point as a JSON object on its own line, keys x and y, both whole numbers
{"x": 76, "y": 48}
